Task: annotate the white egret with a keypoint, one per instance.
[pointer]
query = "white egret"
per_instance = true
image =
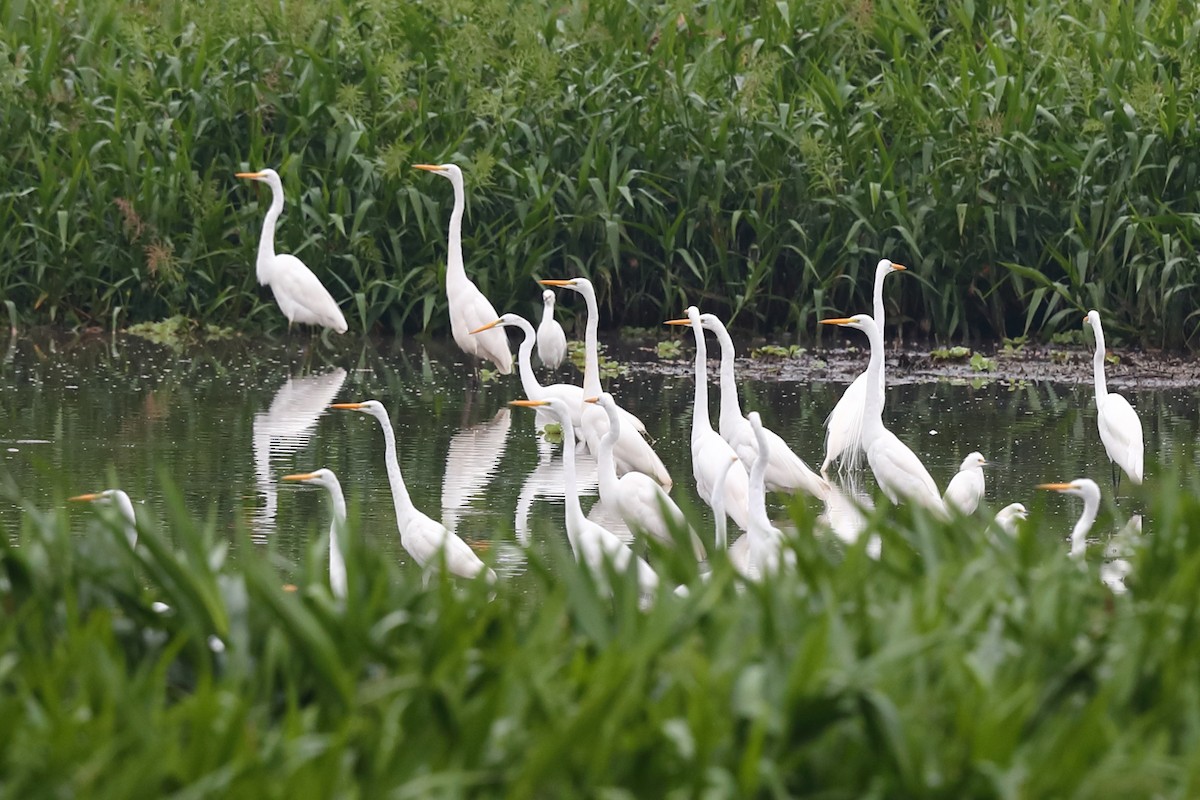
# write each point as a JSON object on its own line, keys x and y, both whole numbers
{"x": 593, "y": 545}
{"x": 426, "y": 540}
{"x": 469, "y": 308}
{"x": 300, "y": 295}
{"x": 897, "y": 469}
{"x": 638, "y": 498}
{"x": 720, "y": 529}
{"x": 786, "y": 471}
{"x": 709, "y": 450}
{"x": 337, "y": 562}
{"x": 766, "y": 541}
{"x": 1090, "y": 492}
{"x": 571, "y": 394}
{"x": 632, "y": 452}
{"x": 966, "y": 487}
{"x": 843, "y": 426}
{"x": 551, "y": 341}
{"x": 1008, "y": 517}
{"x": 124, "y": 506}
{"x": 1120, "y": 426}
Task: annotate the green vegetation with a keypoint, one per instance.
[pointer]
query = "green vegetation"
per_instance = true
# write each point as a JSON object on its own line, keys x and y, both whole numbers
{"x": 963, "y": 663}
{"x": 1026, "y": 159}
{"x": 955, "y": 353}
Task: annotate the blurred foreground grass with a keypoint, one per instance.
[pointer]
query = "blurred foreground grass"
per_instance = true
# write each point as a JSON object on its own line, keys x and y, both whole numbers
{"x": 960, "y": 664}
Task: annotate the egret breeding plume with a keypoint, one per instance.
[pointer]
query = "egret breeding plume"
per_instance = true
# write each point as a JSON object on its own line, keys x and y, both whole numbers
{"x": 632, "y": 452}
{"x": 337, "y": 563}
{"x": 426, "y": 540}
{"x": 786, "y": 471}
{"x": 551, "y": 341}
{"x": 709, "y": 450}
{"x": 301, "y": 297}
{"x": 124, "y": 506}
{"x": 1120, "y": 426}
{"x": 1090, "y": 492}
{"x": 843, "y": 427}
{"x": 638, "y": 498}
{"x": 966, "y": 488}
{"x": 593, "y": 545}
{"x": 898, "y": 471}
{"x": 469, "y": 309}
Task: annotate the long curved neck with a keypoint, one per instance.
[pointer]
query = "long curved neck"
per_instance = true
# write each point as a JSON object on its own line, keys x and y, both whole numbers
{"x": 547, "y": 313}
{"x": 400, "y": 498}
{"x": 591, "y": 348}
{"x": 454, "y": 255}
{"x": 877, "y": 298}
{"x": 700, "y": 420}
{"x": 757, "y": 505}
{"x": 125, "y": 505}
{"x": 529, "y": 382}
{"x": 266, "y": 241}
{"x": 873, "y": 408}
{"x": 606, "y": 468}
{"x": 730, "y": 406}
{"x": 1098, "y": 365}
{"x": 718, "y": 508}
{"x": 337, "y": 562}
{"x": 575, "y": 516}
{"x": 1079, "y": 533}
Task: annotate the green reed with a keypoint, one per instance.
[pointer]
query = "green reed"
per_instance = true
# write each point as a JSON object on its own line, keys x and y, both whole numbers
{"x": 1027, "y": 160}
{"x": 961, "y": 663}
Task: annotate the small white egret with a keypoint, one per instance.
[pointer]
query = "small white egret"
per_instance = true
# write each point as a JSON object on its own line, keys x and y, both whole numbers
{"x": 966, "y": 487}
{"x": 1120, "y": 426}
{"x": 551, "y": 341}
{"x": 632, "y": 451}
{"x": 124, "y": 506}
{"x": 843, "y": 426}
{"x": 469, "y": 308}
{"x": 786, "y": 471}
{"x": 1008, "y": 517}
{"x": 426, "y": 540}
{"x": 897, "y": 469}
{"x": 300, "y": 295}
{"x": 337, "y": 562}
{"x": 1090, "y": 492}
{"x": 766, "y": 541}
{"x": 593, "y": 545}
{"x": 709, "y": 450}
{"x": 638, "y": 498}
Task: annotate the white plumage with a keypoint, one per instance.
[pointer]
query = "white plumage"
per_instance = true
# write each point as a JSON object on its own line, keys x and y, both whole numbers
{"x": 337, "y": 563}
{"x": 551, "y": 341}
{"x": 1120, "y": 426}
{"x": 967, "y": 486}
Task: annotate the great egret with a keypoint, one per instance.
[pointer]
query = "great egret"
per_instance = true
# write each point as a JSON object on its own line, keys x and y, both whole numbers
{"x": 300, "y": 295}
{"x": 1120, "y": 426}
{"x": 709, "y": 450}
{"x": 720, "y": 529}
{"x": 966, "y": 487}
{"x": 766, "y": 541}
{"x": 1090, "y": 492}
{"x": 551, "y": 341}
{"x": 1008, "y": 517}
{"x": 638, "y": 498}
{"x": 897, "y": 470}
{"x": 843, "y": 426}
{"x": 592, "y": 544}
{"x": 337, "y": 563}
{"x": 124, "y": 506}
{"x": 568, "y": 392}
{"x": 632, "y": 452}
{"x": 786, "y": 471}
{"x": 469, "y": 309}
{"x": 425, "y": 539}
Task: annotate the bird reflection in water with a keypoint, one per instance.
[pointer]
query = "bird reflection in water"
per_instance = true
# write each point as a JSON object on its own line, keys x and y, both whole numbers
{"x": 473, "y": 458}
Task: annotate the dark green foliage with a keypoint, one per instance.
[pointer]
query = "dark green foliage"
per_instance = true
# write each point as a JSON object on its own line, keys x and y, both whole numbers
{"x": 1027, "y": 160}
{"x": 961, "y": 664}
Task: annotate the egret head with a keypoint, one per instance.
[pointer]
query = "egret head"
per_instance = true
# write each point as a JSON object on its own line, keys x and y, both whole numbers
{"x": 1080, "y": 487}
{"x": 107, "y": 497}
{"x": 506, "y": 320}
{"x": 604, "y": 400}
{"x": 557, "y": 407}
{"x": 885, "y": 266}
{"x": 693, "y": 318}
{"x": 548, "y": 297}
{"x": 973, "y": 461}
{"x": 321, "y": 477}
{"x": 860, "y": 321}
{"x": 372, "y": 407}
{"x": 581, "y": 285}
{"x": 449, "y": 171}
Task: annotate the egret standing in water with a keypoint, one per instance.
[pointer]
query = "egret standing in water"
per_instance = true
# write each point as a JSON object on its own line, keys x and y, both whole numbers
{"x": 551, "y": 341}
{"x": 300, "y": 295}
{"x": 337, "y": 563}
{"x": 966, "y": 488}
{"x": 1120, "y": 426}
{"x": 1090, "y": 492}
{"x": 469, "y": 309}
{"x": 124, "y": 506}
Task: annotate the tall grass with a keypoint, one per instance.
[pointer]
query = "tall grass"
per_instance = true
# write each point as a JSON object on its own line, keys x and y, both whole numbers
{"x": 1026, "y": 159}
{"x": 960, "y": 664}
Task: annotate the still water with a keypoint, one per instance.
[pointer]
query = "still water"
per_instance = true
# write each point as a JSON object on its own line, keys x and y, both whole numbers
{"x": 223, "y": 421}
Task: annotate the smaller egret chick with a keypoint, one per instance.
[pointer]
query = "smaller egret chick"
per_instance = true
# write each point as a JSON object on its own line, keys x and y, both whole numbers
{"x": 551, "y": 341}
{"x": 1090, "y": 492}
{"x": 639, "y": 499}
{"x": 337, "y": 563}
{"x": 124, "y": 506}
{"x": 426, "y": 540}
{"x": 966, "y": 488}
{"x": 1008, "y": 517}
